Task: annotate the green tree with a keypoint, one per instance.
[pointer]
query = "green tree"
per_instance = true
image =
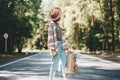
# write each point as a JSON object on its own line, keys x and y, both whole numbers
{"x": 19, "y": 19}
{"x": 98, "y": 23}
{"x": 118, "y": 21}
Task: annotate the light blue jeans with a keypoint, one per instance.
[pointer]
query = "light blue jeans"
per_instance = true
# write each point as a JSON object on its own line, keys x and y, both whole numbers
{"x": 61, "y": 55}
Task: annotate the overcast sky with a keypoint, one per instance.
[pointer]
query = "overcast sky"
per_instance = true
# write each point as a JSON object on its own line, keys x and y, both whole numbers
{"x": 45, "y": 1}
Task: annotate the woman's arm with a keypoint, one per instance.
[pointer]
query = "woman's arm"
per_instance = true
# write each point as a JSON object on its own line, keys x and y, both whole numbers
{"x": 51, "y": 44}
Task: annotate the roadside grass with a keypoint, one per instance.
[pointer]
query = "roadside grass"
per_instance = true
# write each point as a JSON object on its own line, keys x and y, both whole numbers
{"x": 107, "y": 55}
{"x": 10, "y": 55}
{"x": 116, "y": 53}
{"x": 7, "y": 57}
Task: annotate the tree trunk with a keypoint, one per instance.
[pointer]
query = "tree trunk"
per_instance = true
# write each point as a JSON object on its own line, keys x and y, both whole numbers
{"x": 112, "y": 26}
{"x": 103, "y": 19}
{"x": 119, "y": 33}
{"x": 19, "y": 45}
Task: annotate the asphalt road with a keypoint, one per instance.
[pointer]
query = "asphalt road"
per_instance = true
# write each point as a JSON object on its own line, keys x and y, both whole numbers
{"x": 36, "y": 67}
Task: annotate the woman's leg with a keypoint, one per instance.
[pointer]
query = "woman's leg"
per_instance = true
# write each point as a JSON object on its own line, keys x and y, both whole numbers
{"x": 54, "y": 66}
{"x": 63, "y": 60}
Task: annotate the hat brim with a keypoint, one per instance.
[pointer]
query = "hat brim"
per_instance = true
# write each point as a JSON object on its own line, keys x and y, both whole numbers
{"x": 58, "y": 17}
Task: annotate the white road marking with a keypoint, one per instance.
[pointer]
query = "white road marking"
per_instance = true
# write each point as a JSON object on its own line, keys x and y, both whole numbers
{"x": 97, "y": 58}
{"x": 16, "y": 61}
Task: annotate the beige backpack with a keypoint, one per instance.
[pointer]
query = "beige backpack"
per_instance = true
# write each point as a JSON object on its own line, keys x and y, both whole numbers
{"x": 71, "y": 65}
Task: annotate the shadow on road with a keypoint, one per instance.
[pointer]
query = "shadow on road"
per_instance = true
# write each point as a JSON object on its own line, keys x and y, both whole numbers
{"x": 37, "y": 67}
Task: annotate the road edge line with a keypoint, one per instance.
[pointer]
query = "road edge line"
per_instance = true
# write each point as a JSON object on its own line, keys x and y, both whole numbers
{"x": 12, "y": 62}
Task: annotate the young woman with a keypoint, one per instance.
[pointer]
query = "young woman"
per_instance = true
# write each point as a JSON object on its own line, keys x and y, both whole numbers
{"x": 56, "y": 43}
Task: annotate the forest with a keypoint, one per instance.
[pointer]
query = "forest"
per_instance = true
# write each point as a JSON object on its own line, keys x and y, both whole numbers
{"x": 88, "y": 25}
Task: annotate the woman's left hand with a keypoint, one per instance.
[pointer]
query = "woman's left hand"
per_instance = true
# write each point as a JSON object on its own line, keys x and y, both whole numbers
{"x": 53, "y": 52}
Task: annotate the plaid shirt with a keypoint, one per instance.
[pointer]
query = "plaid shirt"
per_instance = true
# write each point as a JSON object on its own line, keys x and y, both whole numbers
{"x": 52, "y": 38}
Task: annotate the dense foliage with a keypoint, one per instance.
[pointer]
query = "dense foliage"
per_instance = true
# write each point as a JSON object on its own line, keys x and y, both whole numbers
{"x": 19, "y": 19}
{"x": 88, "y": 24}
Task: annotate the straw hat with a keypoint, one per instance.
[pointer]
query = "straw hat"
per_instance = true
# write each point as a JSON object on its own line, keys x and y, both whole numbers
{"x": 55, "y": 14}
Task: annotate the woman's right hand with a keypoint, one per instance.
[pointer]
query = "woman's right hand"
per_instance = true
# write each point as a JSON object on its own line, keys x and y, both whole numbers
{"x": 53, "y": 52}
